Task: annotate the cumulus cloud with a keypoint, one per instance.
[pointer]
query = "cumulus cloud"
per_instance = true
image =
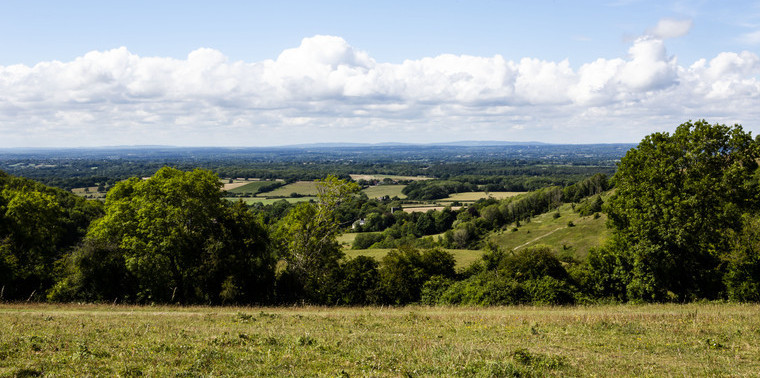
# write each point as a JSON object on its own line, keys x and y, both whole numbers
{"x": 668, "y": 28}
{"x": 327, "y": 90}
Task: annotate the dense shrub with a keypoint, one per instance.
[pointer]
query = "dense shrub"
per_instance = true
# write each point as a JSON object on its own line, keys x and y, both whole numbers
{"x": 404, "y": 271}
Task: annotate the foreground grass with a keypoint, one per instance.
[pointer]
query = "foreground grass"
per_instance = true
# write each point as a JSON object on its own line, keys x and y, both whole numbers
{"x": 627, "y": 340}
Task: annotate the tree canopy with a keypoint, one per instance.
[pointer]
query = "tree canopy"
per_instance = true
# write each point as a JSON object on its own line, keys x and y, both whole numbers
{"x": 38, "y": 226}
{"x": 178, "y": 241}
{"x": 678, "y": 198}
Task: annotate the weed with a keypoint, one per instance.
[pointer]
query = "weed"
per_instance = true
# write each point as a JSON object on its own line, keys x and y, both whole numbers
{"x": 306, "y": 340}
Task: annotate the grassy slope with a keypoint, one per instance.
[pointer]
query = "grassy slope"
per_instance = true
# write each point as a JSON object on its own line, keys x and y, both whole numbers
{"x": 545, "y": 229}
{"x": 620, "y": 340}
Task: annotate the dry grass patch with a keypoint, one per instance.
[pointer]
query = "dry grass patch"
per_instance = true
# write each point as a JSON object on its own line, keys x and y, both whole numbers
{"x": 617, "y": 340}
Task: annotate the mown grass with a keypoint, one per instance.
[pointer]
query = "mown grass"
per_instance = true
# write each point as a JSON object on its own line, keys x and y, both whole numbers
{"x": 391, "y": 191}
{"x": 614, "y": 340}
{"x": 586, "y": 232}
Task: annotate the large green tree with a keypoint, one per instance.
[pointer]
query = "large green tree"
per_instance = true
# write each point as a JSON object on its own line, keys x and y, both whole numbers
{"x": 173, "y": 238}
{"x": 678, "y": 198}
{"x": 38, "y": 226}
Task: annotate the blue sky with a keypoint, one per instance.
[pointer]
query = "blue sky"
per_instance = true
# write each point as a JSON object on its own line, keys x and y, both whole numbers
{"x": 249, "y": 73}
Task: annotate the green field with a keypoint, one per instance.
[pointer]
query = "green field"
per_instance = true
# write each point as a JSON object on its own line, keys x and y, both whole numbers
{"x": 347, "y": 239}
{"x": 357, "y": 177}
{"x": 474, "y": 196}
{"x": 385, "y": 190}
{"x": 464, "y": 257}
{"x": 251, "y": 187}
{"x": 304, "y": 188}
{"x": 545, "y": 229}
{"x": 269, "y": 201}
{"x": 89, "y": 192}
{"x": 614, "y": 340}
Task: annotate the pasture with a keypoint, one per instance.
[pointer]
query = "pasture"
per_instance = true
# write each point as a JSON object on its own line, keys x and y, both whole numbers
{"x": 246, "y": 186}
{"x": 269, "y": 201}
{"x": 357, "y": 177}
{"x": 708, "y": 339}
{"x": 474, "y": 196}
{"x": 304, "y": 188}
{"x": 426, "y": 208}
{"x": 391, "y": 191}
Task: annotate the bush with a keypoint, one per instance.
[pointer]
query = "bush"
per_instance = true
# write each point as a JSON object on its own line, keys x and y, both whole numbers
{"x": 433, "y": 289}
{"x": 485, "y": 289}
{"x": 365, "y": 240}
{"x": 358, "y": 282}
{"x": 404, "y": 271}
{"x": 549, "y": 290}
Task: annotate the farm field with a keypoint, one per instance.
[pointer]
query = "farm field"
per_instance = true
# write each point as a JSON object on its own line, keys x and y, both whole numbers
{"x": 269, "y": 201}
{"x": 246, "y": 186}
{"x": 89, "y": 192}
{"x": 385, "y": 190}
{"x": 586, "y": 233}
{"x": 705, "y": 339}
{"x": 464, "y": 257}
{"x": 357, "y": 177}
{"x": 426, "y": 208}
{"x": 304, "y": 188}
{"x": 474, "y": 196}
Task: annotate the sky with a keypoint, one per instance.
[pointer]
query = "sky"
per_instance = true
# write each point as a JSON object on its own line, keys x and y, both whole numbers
{"x": 266, "y": 73}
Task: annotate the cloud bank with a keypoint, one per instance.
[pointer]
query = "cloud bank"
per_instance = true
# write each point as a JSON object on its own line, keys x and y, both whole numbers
{"x": 327, "y": 90}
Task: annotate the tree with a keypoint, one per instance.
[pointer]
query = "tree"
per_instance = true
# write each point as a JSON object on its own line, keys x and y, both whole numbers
{"x": 677, "y": 199}
{"x": 405, "y": 270}
{"x": 307, "y": 239}
{"x": 178, "y": 241}
{"x": 38, "y": 226}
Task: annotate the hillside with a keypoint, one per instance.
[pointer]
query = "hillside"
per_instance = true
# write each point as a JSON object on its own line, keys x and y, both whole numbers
{"x": 587, "y": 232}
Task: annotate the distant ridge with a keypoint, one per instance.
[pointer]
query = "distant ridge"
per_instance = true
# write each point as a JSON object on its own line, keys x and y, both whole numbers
{"x": 465, "y": 143}
{"x": 349, "y": 145}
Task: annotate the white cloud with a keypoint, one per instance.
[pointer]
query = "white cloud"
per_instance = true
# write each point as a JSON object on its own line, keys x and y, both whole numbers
{"x": 328, "y": 90}
{"x": 668, "y": 28}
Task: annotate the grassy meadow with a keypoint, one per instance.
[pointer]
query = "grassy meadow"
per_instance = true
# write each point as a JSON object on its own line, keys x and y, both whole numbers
{"x": 607, "y": 340}
{"x": 246, "y": 187}
{"x": 385, "y": 190}
{"x": 357, "y": 177}
{"x": 474, "y": 196}
{"x": 269, "y": 201}
{"x": 304, "y": 188}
